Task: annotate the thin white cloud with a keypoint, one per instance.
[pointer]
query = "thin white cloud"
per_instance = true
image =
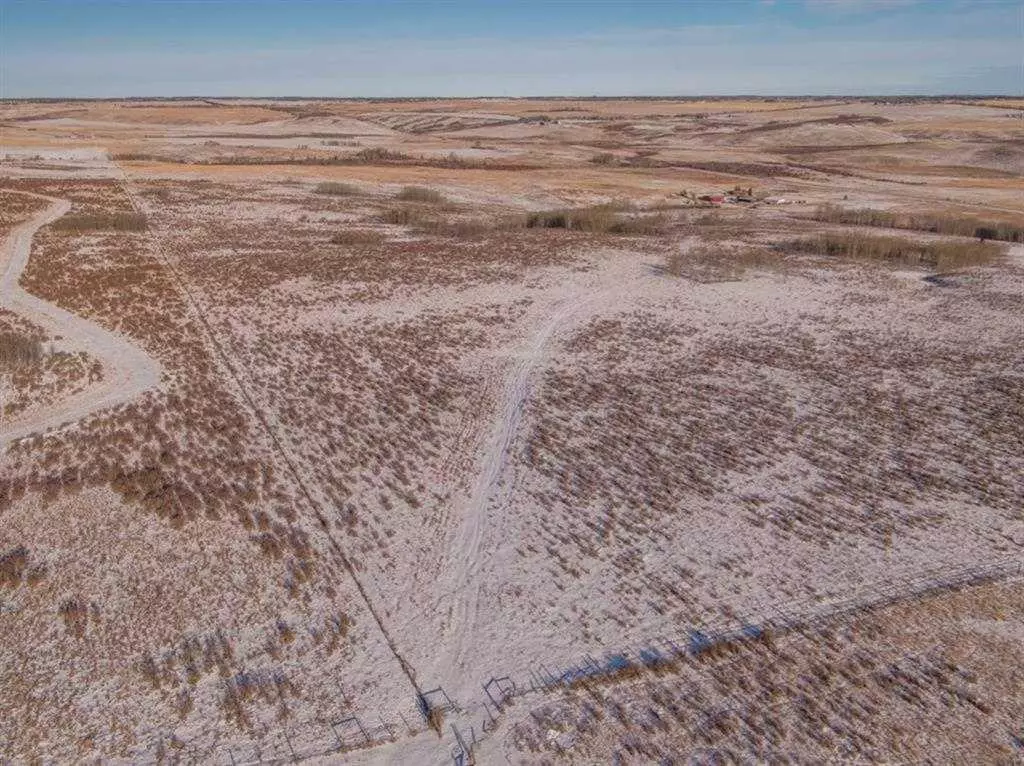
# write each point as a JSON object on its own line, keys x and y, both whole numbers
{"x": 858, "y": 5}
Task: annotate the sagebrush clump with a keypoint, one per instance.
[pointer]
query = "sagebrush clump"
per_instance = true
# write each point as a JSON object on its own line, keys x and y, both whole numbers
{"x": 336, "y": 189}
{"x": 420, "y": 194}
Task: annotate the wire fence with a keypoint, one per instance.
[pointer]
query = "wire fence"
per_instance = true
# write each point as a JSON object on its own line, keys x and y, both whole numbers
{"x": 264, "y": 745}
{"x": 708, "y": 724}
{"x": 546, "y": 677}
{"x": 357, "y": 730}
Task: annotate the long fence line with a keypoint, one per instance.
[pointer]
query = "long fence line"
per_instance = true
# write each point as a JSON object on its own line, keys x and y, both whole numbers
{"x": 350, "y": 731}
{"x": 282, "y": 446}
{"x": 265, "y": 745}
{"x": 544, "y": 678}
{"x": 281, "y": 745}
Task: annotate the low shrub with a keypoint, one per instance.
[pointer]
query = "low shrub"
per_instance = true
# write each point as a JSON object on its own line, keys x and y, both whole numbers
{"x": 18, "y": 351}
{"x": 336, "y": 189}
{"x": 465, "y": 229}
{"x": 640, "y": 226}
{"x": 117, "y": 221}
{"x": 420, "y": 194}
{"x": 940, "y": 256}
{"x": 13, "y": 564}
{"x": 375, "y": 155}
{"x": 403, "y": 216}
{"x": 937, "y": 223}
{"x": 604, "y": 219}
{"x": 135, "y": 157}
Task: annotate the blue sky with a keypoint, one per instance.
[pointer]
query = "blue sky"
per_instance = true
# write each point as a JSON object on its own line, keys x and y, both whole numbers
{"x": 100, "y": 48}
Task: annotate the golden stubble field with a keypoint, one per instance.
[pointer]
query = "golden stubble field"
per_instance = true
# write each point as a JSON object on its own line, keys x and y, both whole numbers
{"x": 318, "y": 416}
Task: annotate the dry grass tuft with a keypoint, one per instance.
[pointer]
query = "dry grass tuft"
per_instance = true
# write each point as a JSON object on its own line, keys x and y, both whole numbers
{"x": 435, "y": 719}
{"x": 13, "y": 565}
{"x": 941, "y": 256}
{"x": 403, "y": 216}
{"x": 464, "y": 229}
{"x": 601, "y": 219}
{"x": 937, "y": 223}
{"x": 16, "y": 568}
{"x": 420, "y": 194}
{"x": 376, "y": 155}
{"x": 117, "y": 221}
{"x": 75, "y": 612}
{"x": 18, "y": 351}
{"x": 136, "y": 157}
{"x": 337, "y": 189}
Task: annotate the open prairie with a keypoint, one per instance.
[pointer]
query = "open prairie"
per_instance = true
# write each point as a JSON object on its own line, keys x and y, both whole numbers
{"x": 512, "y": 431}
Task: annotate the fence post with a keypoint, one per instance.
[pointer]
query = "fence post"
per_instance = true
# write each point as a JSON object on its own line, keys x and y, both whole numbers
{"x": 337, "y": 736}
{"x": 467, "y": 751}
{"x": 290, "y": 748}
{"x": 386, "y": 726}
{"x": 404, "y": 720}
{"x": 360, "y": 725}
{"x": 551, "y": 679}
{"x": 344, "y": 697}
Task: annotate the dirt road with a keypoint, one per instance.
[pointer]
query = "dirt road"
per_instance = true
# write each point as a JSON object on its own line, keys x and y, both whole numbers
{"x": 127, "y": 369}
{"x": 493, "y": 486}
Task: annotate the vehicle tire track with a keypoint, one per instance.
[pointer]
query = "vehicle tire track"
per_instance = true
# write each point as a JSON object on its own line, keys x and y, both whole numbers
{"x": 127, "y": 369}
{"x": 489, "y": 492}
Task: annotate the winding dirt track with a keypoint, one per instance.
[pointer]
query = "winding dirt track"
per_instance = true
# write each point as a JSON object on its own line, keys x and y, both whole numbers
{"x": 127, "y": 369}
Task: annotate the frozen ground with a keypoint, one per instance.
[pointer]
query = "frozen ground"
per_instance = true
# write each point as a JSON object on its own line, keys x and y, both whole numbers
{"x": 357, "y": 450}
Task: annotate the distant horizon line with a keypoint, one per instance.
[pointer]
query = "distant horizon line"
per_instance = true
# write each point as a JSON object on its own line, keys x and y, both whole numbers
{"x": 700, "y": 97}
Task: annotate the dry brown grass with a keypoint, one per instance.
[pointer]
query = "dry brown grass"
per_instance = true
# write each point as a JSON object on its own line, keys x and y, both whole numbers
{"x": 404, "y": 216}
{"x": 358, "y": 238}
{"x": 46, "y": 381}
{"x": 714, "y": 263}
{"x": 612, "y": 218}
{"x": 381, "y": 405}
{"x": 863, "y": 689}
{"x": 940, "y": 256}
{"x": 723, "y": 410}
{"x": 136, "y": 157}
{"x": 435, "y": 719}
{"x": 13, "y": 564}
{"x": 75, "y": 612}
{"x": 461, "y": 229}
{"x": 19, "y": 351}
{"x": 17, "y": 568}
{"x": 101, "y": 221}
{"x": 337, "y": 189}
{"x": 373, "y": 156}
{"x": 420, "y": 194}
{"x": 937, "y": 223}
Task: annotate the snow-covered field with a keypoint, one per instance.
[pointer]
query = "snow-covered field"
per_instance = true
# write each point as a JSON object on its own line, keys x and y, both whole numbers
{"x": 317, "y": 463}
